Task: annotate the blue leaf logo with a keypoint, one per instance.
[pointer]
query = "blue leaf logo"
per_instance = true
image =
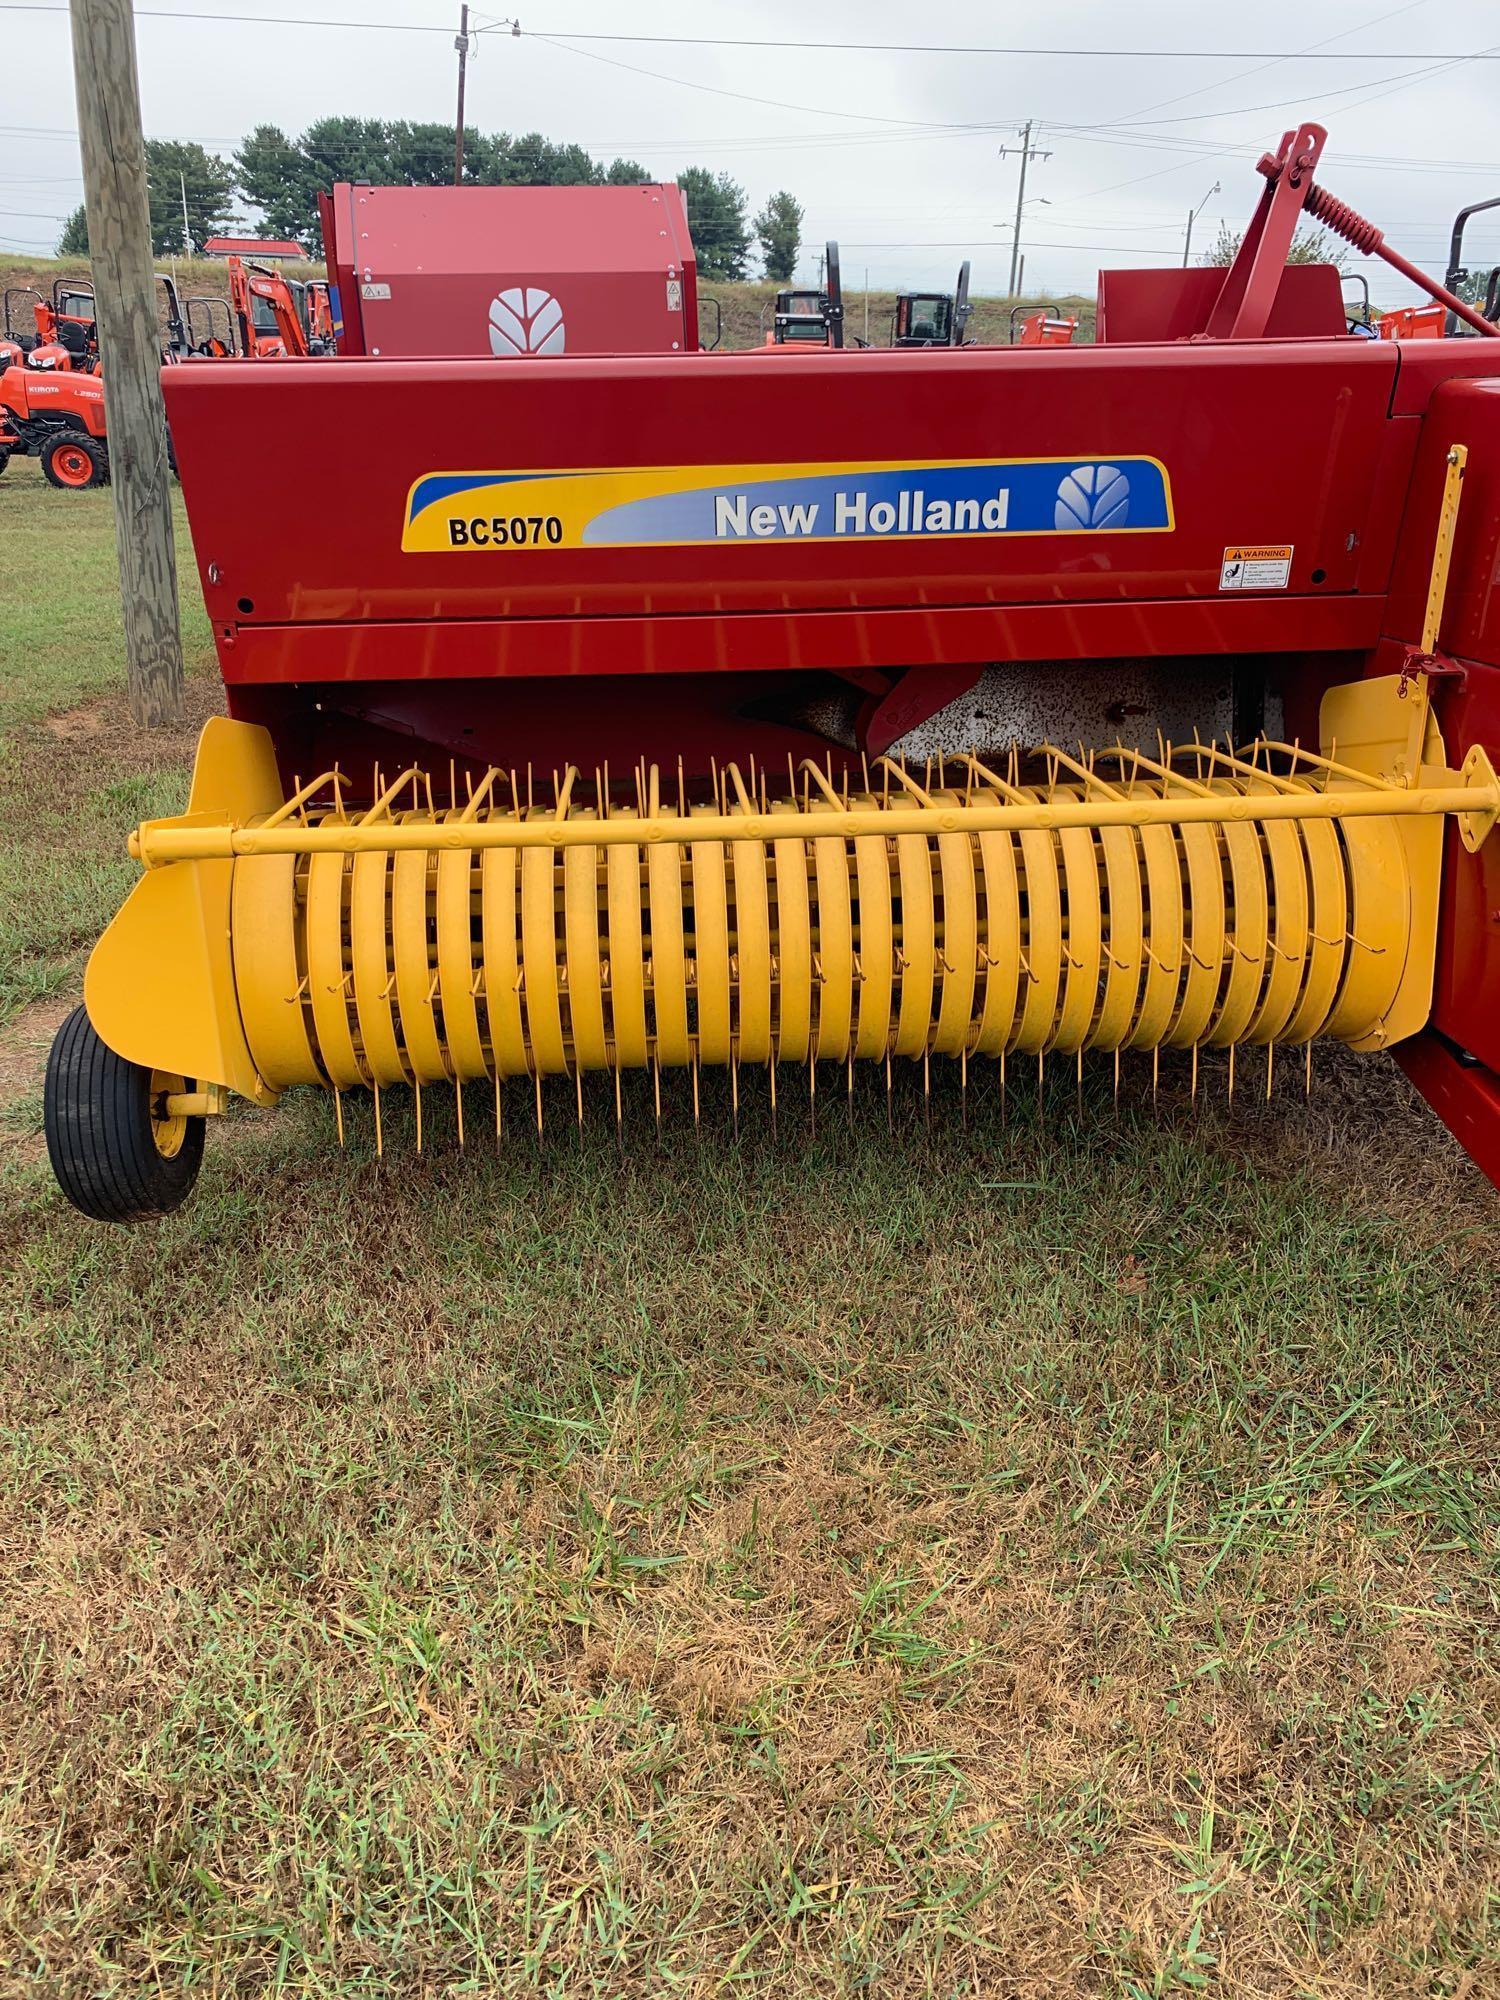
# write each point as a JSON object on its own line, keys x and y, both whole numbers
{"x": 1093, "y": 496}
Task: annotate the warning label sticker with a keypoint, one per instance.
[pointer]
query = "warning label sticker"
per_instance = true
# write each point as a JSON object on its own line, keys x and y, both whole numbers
{"x": 1257, "y": 566}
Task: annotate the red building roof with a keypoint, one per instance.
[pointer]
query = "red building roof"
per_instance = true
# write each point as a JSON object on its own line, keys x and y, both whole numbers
{"x": 252, "y": 246}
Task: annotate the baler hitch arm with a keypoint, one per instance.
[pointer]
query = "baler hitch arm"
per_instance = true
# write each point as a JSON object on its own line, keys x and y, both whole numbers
{"x": 1293, "y": 167}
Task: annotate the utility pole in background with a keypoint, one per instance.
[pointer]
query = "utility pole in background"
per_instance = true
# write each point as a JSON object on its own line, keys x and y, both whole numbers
{"x": 461, "y": 43}
{"x": 123, "y": 272}
{"x": 1193, "y": 214}
{"x": 187, "y": 234}
{"x": 1027, "y": 152}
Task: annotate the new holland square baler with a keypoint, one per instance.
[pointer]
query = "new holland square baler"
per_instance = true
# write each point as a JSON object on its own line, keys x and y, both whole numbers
{"x": 652, "y": 712}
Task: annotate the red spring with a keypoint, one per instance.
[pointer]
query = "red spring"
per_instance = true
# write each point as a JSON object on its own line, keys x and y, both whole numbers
{"x": 1343, "y": 220}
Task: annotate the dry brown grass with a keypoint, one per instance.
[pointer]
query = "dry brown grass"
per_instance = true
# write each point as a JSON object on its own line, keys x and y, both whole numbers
{"x": 1059, "y": 1559}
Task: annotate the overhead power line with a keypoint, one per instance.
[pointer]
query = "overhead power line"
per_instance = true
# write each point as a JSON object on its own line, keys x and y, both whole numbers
{"x": 770, "y": 42}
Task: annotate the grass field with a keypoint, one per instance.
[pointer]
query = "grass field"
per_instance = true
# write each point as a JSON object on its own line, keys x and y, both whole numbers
{"x": 1050, "y": 1555}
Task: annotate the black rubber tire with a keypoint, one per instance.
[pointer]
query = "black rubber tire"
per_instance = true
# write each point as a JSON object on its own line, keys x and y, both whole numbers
{"x": 92, "y": 448}
{"x": 96, "y": 1111}
{"x": 4, "y": 459}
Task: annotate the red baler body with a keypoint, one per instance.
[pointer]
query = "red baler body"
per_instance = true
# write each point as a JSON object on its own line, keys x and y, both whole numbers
{"x": 421, "y": 607}
{"x": 438, "y": 270}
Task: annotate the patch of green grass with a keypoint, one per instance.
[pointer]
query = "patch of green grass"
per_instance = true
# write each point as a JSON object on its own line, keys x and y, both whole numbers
{"x": 60, "y": 637}
{"x": 74, "y": 777}
{"x": 67, "y": 806}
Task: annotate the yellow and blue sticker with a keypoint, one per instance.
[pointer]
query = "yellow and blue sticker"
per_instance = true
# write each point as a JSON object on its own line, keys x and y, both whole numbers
{"x": 717, "y": 505}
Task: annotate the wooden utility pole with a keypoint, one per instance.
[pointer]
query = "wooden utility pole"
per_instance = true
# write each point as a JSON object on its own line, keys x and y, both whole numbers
{"x": 119, "y": 220}
{"x": 1028, "y": 152}
{"x": 461, "y": 43}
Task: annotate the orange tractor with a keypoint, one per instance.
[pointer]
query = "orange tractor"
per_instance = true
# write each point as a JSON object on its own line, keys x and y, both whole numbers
{"x": 51, "y": 388}
{"x": 62, "y": 334}
{"x": 57, "y": 416}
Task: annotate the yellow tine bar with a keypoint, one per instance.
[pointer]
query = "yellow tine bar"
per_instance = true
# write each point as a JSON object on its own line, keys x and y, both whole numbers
{"x": 585, "y": 958}
{"x": 411, "y": 946}
{"x": 1245, "y": 944}
{"x": 1163, "y": 938}
{"x": 917, "y": 945}
{"x": 877, "y": 949}
{"x": 1379, "y": 928}
{"x": 669, "y": 1003}
{"x": 1121, "y": 945}
{"x": 270, "y": 981}
{"x": 706, "y": 860}
{"x": 457, "y": 970}
{"x": 627, "y": 959}
{"x": 1286, "y": 943}
{"x": 370, "y": 963}
{"x": 1204, "y": 945}
{"x": 499, "y": 879}
{"x": 1000, "y": 944}
{"x": 959, "y": 967}
{"x": 1327, "y": 930}
{"x": 794, "y": 969}
{"x": 541, "y": 988}
{"x": 160, "y": 842}
{"x": 835, "y": 945}
{"x": 1084, "y": 929}
{"x": 752, "y": 934}
{"x": 329, "y": 982}
{"x": 1042, "y": 941}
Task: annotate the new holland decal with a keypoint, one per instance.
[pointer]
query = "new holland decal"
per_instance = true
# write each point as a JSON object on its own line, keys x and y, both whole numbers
{"x": 688, "y": 505}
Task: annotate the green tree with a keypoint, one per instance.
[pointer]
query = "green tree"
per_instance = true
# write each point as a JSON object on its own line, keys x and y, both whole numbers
{"x": 531, "y": 160}
{"x": 346, "y": 149}
{"x": 779, "y": 230}
{"x": 716, "y": 216}
{"x": 422, "y": 155}
{"x": 627, "y": 173}
{"x": 74, "y": 241}
{"x": 179, "y": 175}
{"x": 272, "y": 174}
{"x": 1473, "y": 286}
{"x": 1309, "y": 246}
{"x": 341, "y": 149}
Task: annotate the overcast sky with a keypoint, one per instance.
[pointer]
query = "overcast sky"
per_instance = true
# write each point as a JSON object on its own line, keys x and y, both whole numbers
{"x": 896, "y": 154}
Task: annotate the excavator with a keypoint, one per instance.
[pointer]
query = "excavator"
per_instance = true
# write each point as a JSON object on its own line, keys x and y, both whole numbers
{"x": 276, "y": 316}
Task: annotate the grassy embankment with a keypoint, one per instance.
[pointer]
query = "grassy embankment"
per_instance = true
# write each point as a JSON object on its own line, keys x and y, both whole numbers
{"x": 746, "y": 308}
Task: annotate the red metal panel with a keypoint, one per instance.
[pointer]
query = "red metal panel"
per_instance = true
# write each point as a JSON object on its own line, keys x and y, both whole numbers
{"x": 338, "y": 250}
{"x": 1463, "y": 412}
{"x": 1466, "y": 1005}
{"x": 300, "y": 555}
{"x": 1423, "y": 366}
{"x": 1175, "y": 305}
{"x": 419, "y": 269}
{"x": 1466, "y": 1096}
{"x": 753, "y": 641}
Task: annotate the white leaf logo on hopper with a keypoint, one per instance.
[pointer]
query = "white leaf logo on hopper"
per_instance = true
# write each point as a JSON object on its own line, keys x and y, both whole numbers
{"x": 526, "y": 320}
